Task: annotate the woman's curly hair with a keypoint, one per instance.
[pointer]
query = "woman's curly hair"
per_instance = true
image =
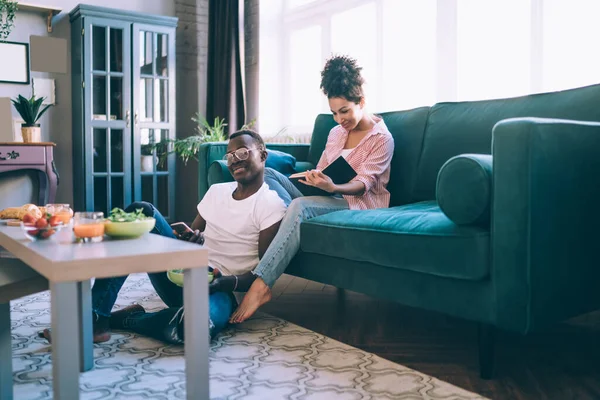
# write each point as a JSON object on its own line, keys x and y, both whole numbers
{"x": 341, "y": 78}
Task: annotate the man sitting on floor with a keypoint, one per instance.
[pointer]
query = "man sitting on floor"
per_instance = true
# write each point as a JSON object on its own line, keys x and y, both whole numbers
{"x": 236, "y": 221}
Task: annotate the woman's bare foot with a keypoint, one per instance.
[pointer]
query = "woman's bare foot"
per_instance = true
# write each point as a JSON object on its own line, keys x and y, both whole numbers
{"x": 258, "y": 295}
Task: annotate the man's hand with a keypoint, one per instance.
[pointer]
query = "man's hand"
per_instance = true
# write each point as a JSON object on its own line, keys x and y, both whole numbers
{"x": 194, "y": 237}
{"x": 220, "y": 283}
{"x": 318, "y": 179}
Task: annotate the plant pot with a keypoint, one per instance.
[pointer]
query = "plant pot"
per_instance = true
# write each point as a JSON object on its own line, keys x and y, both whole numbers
{"x": 31, "y": 133}
{"x": 146, "y": 163}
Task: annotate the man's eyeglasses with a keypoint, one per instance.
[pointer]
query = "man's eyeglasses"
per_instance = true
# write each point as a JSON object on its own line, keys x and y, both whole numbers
{"x": 241, "y": 154}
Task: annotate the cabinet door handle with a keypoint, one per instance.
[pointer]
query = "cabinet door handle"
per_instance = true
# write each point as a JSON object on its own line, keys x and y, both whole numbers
{"x": 136, "y": 117}
{"x": 127, "y": 118}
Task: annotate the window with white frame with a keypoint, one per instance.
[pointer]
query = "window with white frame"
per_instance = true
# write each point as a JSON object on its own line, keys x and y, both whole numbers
{"x": 418, "y": 52}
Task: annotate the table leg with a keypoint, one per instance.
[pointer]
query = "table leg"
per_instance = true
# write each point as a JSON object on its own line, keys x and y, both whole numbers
{"x": 86, "y": 335}
{"x": 6, "y": 381}
{"x": 195, "y": 301}
{"x": 65, "y": 333}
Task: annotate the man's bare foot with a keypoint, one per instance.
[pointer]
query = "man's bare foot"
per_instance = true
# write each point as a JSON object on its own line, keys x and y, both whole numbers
{"x": 100, "y": 327}
{"x": 258, "y": 295}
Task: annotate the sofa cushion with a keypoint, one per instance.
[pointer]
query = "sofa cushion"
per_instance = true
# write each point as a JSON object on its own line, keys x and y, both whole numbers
{"x": 280, "y": 161}
{"x": 416, "y": 237}
{"x": 302, "y": 166}
{"x": 466, "y": 127}
{"x": 323, "y": 124}
{"x": 464, "y": 189}
{"x": 407, "y": 128}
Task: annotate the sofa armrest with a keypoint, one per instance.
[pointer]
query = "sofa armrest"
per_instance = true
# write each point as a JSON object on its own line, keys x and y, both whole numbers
{"x": 214, "y": 151}
{"x": 219, "y": 173}
{"x": 544, "y": 221}
{"x": 208, "y": 153}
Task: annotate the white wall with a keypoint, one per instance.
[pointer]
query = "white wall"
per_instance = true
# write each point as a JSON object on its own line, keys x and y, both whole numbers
{"x": 56, "y": 124}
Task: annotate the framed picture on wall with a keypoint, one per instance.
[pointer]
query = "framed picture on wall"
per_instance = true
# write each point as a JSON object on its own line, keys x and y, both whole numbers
{"x": 14, "y": 67}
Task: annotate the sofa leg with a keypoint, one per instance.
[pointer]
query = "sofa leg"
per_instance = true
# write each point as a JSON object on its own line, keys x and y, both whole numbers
{"x": 487, "y": 337}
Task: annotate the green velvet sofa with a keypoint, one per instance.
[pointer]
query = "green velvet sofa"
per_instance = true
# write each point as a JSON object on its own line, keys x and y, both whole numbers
{"x": 522, "y": 256}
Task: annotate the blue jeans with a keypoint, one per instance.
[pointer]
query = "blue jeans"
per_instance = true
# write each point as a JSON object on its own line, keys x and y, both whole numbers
{"x": 168, "y": 324}
{"x": 286, "y": 243}
{"x": 106, "y": 290}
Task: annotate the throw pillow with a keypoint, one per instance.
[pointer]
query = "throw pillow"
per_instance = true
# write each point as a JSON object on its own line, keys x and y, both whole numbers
{"x": 280, "y": 161}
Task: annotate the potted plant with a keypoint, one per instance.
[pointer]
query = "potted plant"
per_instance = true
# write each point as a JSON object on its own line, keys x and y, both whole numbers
{"x": 31, "y": 111}
{"x": 8, "y": 10}
{"x": 147, "y": 157}
{"x": 188, "y": 147}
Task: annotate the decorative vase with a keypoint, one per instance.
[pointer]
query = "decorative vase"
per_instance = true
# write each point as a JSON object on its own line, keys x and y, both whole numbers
{"x": 146, "y": 164}
{"x": 31, "y": 133}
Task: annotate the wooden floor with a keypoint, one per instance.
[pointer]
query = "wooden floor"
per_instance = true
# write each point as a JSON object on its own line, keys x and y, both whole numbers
{"x": 561, "y": 363}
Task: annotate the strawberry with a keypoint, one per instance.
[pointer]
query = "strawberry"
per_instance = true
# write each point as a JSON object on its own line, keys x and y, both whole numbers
{"x": 28, "y": 218}
{"x": 41, "y": 223}
{"x": 54, "y": 220}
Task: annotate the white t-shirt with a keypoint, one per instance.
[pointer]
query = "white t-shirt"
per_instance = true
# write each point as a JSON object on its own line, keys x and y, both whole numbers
{"x": 233, "y": 226}
{"x": 346, "y": 152}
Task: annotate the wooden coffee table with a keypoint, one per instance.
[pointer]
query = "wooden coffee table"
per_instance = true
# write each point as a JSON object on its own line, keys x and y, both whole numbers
{"x": 70, "y": 266}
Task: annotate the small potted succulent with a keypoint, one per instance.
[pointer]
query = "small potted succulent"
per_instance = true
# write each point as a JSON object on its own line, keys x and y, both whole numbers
{"x": 146, "y": 162}
{"x": 31, "y": 111}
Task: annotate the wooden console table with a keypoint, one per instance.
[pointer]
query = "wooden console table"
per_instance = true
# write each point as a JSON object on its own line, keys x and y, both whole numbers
{"x": 34, "y": 156}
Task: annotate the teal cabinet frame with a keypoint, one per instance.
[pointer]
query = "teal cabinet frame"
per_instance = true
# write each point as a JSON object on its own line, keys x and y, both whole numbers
{"x": 110, "y": 60}
{"x": 147, "y": 185}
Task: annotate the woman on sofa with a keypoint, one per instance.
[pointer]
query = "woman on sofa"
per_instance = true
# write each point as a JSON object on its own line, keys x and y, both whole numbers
{"x": 363, "y": 140}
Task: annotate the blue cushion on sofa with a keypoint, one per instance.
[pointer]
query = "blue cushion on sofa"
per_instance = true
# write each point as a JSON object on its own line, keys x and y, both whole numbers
{"x": 280, "y": 161}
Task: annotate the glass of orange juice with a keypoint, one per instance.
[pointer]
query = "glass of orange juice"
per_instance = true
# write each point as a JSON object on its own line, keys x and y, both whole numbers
{"x": 88, "y": 226}
{"x": 62, "y": 211}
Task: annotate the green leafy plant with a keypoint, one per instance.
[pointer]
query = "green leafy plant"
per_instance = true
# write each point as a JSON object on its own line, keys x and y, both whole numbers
{"x": 30, "y": 109}
{"x": 189, "y": 147}
{"x": 147, "y": 149}
{"x": 208, "y": 132}
{"x": 8, "y": 10}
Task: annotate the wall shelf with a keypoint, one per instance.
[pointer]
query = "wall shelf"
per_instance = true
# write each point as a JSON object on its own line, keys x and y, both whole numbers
{"x": 49, "y": 12}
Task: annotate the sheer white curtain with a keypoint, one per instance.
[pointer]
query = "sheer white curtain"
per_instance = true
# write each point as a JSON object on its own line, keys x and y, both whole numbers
{"x": 419, "y": 52}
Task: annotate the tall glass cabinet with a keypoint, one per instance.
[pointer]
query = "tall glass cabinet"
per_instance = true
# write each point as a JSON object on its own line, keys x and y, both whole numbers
{"x": 123, "y": 83}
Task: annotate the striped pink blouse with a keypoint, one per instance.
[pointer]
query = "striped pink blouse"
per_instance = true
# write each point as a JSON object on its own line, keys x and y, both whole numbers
{"x": 370, "y": 159}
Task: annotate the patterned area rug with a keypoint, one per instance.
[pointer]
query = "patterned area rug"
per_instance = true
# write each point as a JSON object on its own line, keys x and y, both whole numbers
{"x": 264, "y": 358}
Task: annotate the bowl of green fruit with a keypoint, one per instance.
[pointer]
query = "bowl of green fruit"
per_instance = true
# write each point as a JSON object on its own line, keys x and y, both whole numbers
{"x": 176, "y": 276}
{"x": 127, "y": 225}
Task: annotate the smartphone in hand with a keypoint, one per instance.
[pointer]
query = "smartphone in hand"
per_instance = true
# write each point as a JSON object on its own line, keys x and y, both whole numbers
{"x": 181, "y": 230}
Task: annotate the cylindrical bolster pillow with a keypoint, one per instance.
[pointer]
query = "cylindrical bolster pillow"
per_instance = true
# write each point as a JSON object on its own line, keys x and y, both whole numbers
{"x": 464, "y": 189}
